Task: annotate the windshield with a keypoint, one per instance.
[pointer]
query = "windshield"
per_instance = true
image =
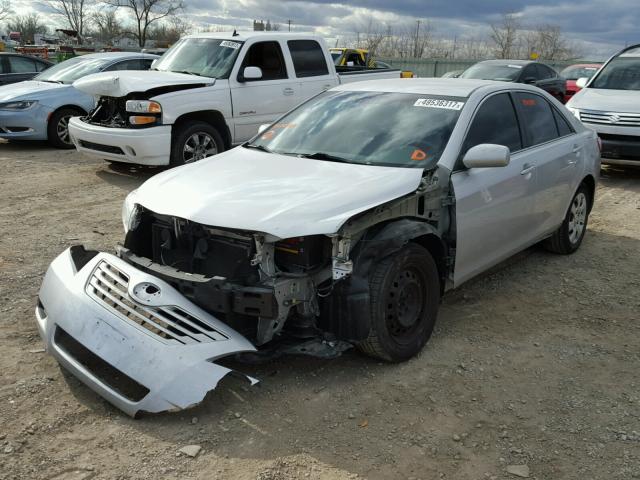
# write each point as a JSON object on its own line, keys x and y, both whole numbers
{"x": 370, "y": 128}
{"x": 485, "y": 71}
{"x": 208, "y": 57}
{"x": 622, "y": 73}
{"x": 73, "y": 69}
{"x": 576, "y": 72}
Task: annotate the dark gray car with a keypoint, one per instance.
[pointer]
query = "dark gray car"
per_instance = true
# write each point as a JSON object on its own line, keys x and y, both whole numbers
{"x": 519, "y": 71}
{"x": 18, "y": 68}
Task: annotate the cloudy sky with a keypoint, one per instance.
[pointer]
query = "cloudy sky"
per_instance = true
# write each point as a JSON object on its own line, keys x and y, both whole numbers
{"x": 598, "y": 27}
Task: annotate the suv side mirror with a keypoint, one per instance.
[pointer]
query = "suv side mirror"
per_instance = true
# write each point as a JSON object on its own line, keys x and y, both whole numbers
{"x": 252, "y": 73}
{"x": 530, "y": 80}
{"x": 582, "y": 82}
{"x": 487, "y": 155}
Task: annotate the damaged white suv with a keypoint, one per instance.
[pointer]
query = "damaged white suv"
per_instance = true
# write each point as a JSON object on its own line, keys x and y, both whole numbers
{"x": 342, "y": 224}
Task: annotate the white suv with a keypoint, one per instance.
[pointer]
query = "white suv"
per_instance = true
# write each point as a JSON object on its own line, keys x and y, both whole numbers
{"x": 610, "y": 105}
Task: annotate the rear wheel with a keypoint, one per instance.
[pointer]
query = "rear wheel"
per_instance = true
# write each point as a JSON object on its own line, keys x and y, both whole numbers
{"x": 568, "y": 237}
{"x": 405, "y": 296}
{"x": 195, "y": 141}
{"x": 58, "y": 128}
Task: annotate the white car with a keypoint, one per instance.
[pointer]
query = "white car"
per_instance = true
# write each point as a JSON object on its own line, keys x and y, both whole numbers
{"x": 610, "y": 104}
{"x": 341, "y": 225}
{"x": 207, "y": 93}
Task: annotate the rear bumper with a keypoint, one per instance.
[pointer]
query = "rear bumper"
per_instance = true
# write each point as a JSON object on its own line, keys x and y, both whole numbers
{"x": 140, "y": 351}
{"x": 148, "y": 146}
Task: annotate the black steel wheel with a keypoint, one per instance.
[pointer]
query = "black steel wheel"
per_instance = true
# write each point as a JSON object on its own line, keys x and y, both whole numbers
{"x": 405, "y": 296}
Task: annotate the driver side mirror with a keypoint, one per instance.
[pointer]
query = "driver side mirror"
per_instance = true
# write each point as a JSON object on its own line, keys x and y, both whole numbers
{"x": 252, "y": 73}
{"x": 530, "y": 80}
{"x": 582, "y": 82}
{"x": 487, "y": 155}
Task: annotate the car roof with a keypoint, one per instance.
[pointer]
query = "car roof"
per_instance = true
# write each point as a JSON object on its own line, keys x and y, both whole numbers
{"x": 117, "y": 55}
{"x": 507, "y": 62}
{"x": 244, "y": 36}
{"x": 448, "y": 87}
{"x": 16, "y": 54}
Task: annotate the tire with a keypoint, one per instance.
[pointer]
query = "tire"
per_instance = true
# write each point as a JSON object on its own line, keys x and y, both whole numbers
{"x": 405, "y": 296}
{"x": 568, "y": 238}
{"x": 199, "y": 136}
{"x": 58, "y": 128}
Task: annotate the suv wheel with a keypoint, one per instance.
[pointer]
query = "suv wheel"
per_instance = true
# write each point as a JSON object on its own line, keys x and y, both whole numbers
{"x": 195, "y": 141}
{"x": 405, "y": 296}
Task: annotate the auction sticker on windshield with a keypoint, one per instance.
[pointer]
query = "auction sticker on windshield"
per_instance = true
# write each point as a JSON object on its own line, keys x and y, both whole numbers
{"x": 435, "y": 103}
{"x": 228, "y": 44}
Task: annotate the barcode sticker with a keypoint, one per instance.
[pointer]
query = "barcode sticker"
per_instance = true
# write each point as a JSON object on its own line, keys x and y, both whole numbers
{"x": 436, "y": 103}
{"x": 228, "y": 44}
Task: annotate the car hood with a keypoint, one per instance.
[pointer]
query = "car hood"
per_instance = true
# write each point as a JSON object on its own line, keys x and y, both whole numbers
{"x": 120, "y": 84}
{"x": 607, "y": 100}
{"x": 284, "y": 196}
{"x": 31, "y": 89}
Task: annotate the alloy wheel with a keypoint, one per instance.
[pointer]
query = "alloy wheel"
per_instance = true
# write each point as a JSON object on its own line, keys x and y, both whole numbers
{"x": 577, "y": 217}
{"x": 198, "y": 146}
{"x": 63, "y": 129}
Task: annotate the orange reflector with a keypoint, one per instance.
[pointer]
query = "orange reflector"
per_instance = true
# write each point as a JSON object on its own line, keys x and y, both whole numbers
{"x": 154, "y": 107}
{"x": 141, "y": 120}
{"x": 418, "y": 155}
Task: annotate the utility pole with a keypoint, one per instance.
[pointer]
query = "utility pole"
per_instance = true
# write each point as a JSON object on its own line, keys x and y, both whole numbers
{"x": 289, "y": 22}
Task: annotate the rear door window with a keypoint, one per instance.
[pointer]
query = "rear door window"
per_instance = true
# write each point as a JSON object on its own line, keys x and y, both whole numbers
{"x": 544, "y": 72}
{"x": 268, "y": 57}
{"x": 564, "y": 128}
{"x": 22, "y": 65}
{"x": 495, "y": 122}
{"x": 308, "y": 58}
{"x": 537, "y": 118}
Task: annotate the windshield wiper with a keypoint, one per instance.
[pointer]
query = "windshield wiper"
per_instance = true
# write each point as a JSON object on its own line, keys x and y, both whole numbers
{"x": 323, "y": 156}
{"x": 187, "y": 72}
{"x": 262, "y": 148}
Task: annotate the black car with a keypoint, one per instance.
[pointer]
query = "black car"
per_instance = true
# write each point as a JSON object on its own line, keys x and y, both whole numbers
{"x": 519, "y": 71}
{"x": 17, "y": 68}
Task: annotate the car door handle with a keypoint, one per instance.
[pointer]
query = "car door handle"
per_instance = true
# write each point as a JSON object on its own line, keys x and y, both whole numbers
{"x": 576, "y": 149}
{"x": 527, "y": 169}
{"x": 288, "y": 91}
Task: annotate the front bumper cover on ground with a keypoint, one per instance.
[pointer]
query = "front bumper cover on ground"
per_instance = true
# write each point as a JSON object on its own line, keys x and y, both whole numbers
{"x": 130, "y": 336}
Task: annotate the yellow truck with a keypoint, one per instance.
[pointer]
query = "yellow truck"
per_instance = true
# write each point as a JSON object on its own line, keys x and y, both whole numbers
{"x": 346, "y": 59}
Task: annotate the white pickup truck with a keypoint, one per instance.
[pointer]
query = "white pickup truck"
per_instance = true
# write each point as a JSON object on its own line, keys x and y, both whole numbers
{"x": 210, "y": 91}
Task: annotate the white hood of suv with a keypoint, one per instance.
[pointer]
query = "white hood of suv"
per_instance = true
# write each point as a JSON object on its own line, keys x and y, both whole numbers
{"x": 281, "y": 195}
{"x": 606, "y": 100}
{"x": 120, "y": 84}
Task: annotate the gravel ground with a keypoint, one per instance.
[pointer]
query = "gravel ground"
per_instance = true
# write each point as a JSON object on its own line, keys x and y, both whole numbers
{"x": 532, "y": 370}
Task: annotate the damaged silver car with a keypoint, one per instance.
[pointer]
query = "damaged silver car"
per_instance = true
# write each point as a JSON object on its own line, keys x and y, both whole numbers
{"x": 340, "y": 225}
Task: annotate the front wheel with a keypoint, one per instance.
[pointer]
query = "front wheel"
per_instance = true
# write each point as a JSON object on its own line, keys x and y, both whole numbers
{"x": 568, "y": 237}
{"x": 195, "y": 141}
{"x": 405, "y": 296}
{"x": 58, "y": 128}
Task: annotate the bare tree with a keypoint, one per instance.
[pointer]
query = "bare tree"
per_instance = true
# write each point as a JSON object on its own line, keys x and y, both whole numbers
{"x": 146, "y": 13}
{"x": 170, "y": 31}
{"x": 5, "y": 9}
{"x": 28, "y": 26}
{"x": 75, "y": 12}
{"x": 505, "y": 35}
{"x": 107, "y": 25}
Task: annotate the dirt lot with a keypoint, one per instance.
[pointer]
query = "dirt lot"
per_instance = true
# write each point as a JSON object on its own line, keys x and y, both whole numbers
{"x": 535, "y": 364}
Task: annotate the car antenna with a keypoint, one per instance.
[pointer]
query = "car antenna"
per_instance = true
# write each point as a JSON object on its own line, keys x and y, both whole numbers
{"x": 235, "y": 34}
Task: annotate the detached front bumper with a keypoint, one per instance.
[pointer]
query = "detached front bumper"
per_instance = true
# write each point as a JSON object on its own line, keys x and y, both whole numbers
{"x": 130, "y": 336}
{"x": 145, "y": 146}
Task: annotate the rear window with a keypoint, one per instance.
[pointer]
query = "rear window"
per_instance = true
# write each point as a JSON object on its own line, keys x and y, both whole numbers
{"x": 308, "y": 58}
{"x": 488, "y": 71}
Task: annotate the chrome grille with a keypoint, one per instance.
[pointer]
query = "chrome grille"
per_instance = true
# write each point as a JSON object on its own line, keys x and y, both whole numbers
{"x": 610, "y": 118}
{"x": 109, "y": 286}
